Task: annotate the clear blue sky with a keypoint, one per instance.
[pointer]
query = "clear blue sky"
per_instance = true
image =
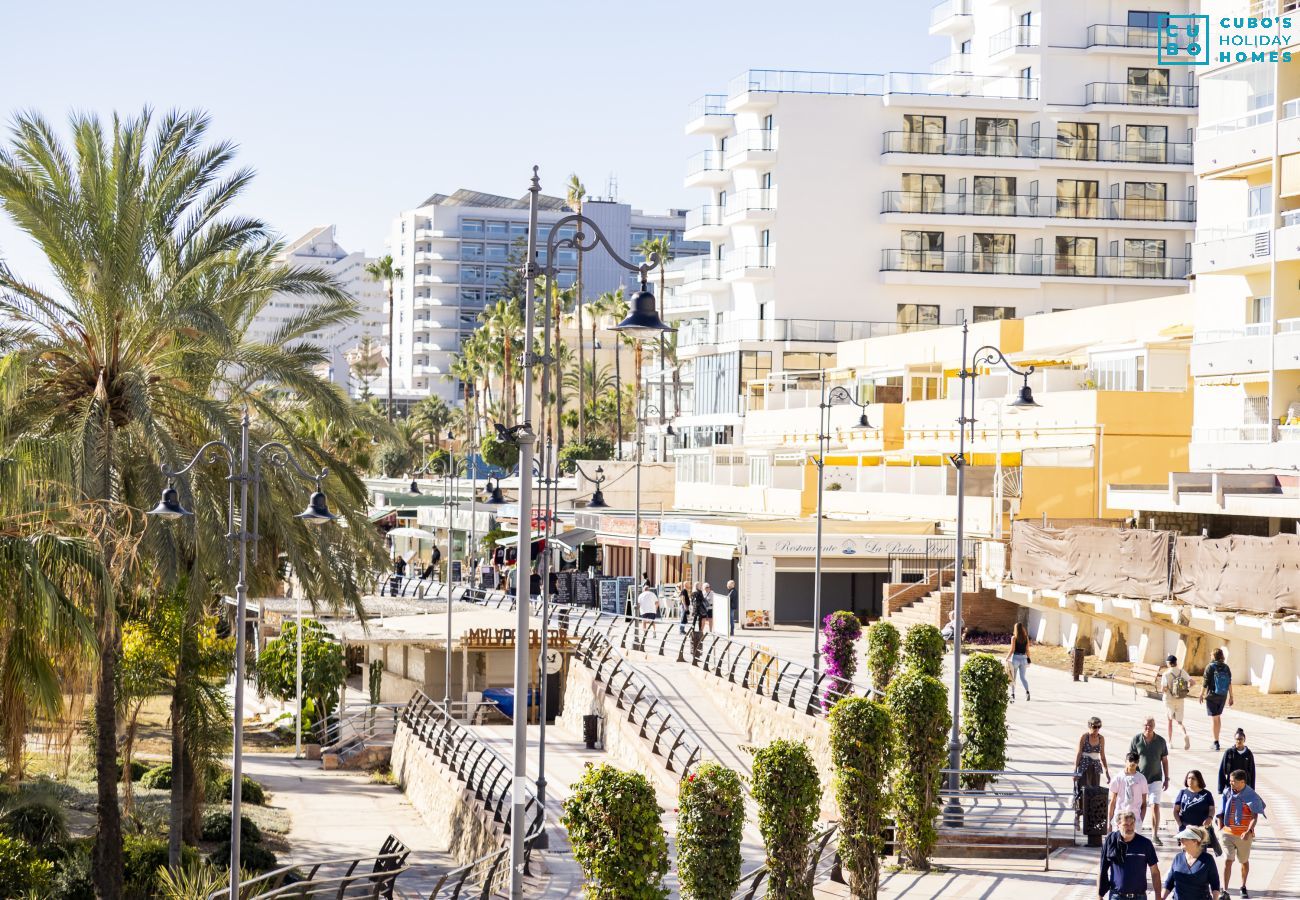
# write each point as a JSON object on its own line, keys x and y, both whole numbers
{"x": 351, "y": 112}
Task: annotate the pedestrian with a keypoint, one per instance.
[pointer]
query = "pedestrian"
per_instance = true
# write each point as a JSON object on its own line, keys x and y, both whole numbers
{"x": 1194, "y": 805}
{"x": 1174, "y": 688}
{"x": 1128, "y": 790}
{"x": 706, "y": 607}
{"x": 1128, "y": 860}
{"x": 1193, "y": 875}
{"x": 1239, "y": 811}
{"x": 697, "y": 606}
{"x": 1090, "y": 761}
{"x": 647, "y": 603}
{"x": 1216, "y": 689}
{"x": 1153, "y": 763}
{"x": 733, "y": 601}
{"x": 684, "y": 601}
{"x": 1238, "y": 756}
{"x": 1019, "y": 657}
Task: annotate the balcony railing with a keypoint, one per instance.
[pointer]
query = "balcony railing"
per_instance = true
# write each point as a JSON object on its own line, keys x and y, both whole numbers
{"x": 975, "y": 262}
{"x": 786, "y": 81}
{"x": 952, "y": 63}
{"x": 1177, "y": 95}
{"x": 1122, "y": 36}
{"x": 704, "y": 161}
{"x": 703, "y": 216}
{"x": 753, "y": 199}
{"x": 756, "y": 139}
{"x": 830, "y": 331}
{"x": 990, "y": 87}
{"x": 749, "y": 258}
{"x": 1241, "y": 434}
{"x": 1038, "y": 147}
{"x": 1008, "y": 87}
{"x": 708, "y": 105}
{"x": 699, "y": 268}
{"x": 1250, "y": 120}
{"x": 948, "y": 9}
{"x": 954, "y": 204}
{"x": 1015, "y": 36}
{"x": 1222, "y": 231}
{"x": 1288, "y": 326}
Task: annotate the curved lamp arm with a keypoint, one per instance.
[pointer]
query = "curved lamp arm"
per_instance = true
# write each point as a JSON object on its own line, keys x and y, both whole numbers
{"x": 578, "y": 241}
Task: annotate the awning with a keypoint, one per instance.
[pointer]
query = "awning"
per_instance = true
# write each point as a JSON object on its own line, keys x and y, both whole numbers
{"x": 667, "y": 546}
{"x": 513, "y": 539}
{"x": 713, "y": 551}
{"x": 418, "y": 533}
{"x": 1238, "y": 380}
{"x": 575, "y": 537}
{"x": 384, "y": 513}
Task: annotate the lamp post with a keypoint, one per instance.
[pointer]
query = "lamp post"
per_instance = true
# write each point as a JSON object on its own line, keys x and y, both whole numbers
{"x": 643, "y": 319}
{"x": 647, "y": 409}
{"x": 985, "y": 356}
{"x": 238, "y": 518}
{"x": 838, "y": 395}
{"x": 597, "y": 500}
{"x": 449, "y": 507}
{"x": 999, "y": 487}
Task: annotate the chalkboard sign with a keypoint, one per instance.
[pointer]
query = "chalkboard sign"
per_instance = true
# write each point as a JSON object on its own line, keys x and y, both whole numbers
{"x": 609, "y": 598}
{"x": 457, "y": 574}
{"x": 564, "y": 588}
{"x": 582, "y": 587}
{"x": 625, "y": 584}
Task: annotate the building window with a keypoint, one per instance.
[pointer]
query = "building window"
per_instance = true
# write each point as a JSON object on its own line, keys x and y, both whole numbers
{"x": 965, "y": 48}
{"x": 1119, "y": 373}
{"x": 497, "y": 228}
{"x": 913, "y": 316}
{"x": 1144, "y": 258}
{"x": 1076, "y": 256}
{"x": 1148, "y": 87}
{"x": 1259, "y": 201}
{"x": 995, "y": 137}
{"x": 1076, "y": 199}
{"x": 498, "y": 252}
{"x": 921, "y": 193}
{"x": 924, "y": 386}
{"x": 1259, "y": 311}
{"x": 1076, "y": 140}
{"x": 767, "y": 123}
{"x": 995, "y": 195}
{"x": 924, "y": 134}
{"x": 471, "y": 251}
{"x": 471, "y": 226}
{"x": 1145, "y": 143}
{"x": 1144, "y": 200}
{"x": 519, "y": 229}
{"x": 992, "y": 313}
{"x": 922, "y": 251}
{"x": 994, "y": 254}
{"x": 1141, "y": 18}
{"x": 881, "y": 389}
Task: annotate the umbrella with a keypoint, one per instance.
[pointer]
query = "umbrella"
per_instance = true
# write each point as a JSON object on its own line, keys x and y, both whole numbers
{"x": 419, "y": 533}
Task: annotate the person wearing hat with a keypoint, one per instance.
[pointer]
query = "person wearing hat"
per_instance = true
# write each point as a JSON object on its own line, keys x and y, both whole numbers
{"x": 1126, "y": 859}
{"x": 1175, "y": 685}
{"x": 1238, "y": 756}
{"x": 1193, "y": 875}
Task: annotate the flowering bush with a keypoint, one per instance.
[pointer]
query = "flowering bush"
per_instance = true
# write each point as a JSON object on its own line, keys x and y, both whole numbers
{"x": 841, "y": 631}
{"x": 710, "y": 823}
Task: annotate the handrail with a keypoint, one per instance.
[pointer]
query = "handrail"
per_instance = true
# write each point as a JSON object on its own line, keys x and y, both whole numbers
{"x": 372, "y": 867}
{"x": 821, "y": 853}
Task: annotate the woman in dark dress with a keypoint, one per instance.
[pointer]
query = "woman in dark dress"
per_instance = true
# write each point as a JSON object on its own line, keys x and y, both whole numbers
{"x": 1194, "y": 805}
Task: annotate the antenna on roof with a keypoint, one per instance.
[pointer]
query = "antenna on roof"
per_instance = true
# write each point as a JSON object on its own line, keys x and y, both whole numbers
{"x": 611, "y": 188}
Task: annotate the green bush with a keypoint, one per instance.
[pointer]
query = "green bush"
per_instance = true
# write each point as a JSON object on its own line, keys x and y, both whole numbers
{"x": 21, "y": 868}
{"x": 392, "y": 460}
{"x": 882, "y": 654}
{"x": 861, "y": 732}
{"x": 159, "y": 778}
{"x": 923, "y": 648}
{"x": 918, "y": 706}
{"x": 216, "y": 827}
{"x": 72, "y": 875}
{"x": 138, "y": 769}
{"x": 324, "y": 668}
{"x": 250, "y": 791}
{"x": 984, "y": 686}
{"x": 38, "y": 821}
{"x": 253, "y": 858}
{"x": 593, "y": 448}
{"x": 788, "y": 793}
{"x": 613, "y": 823}
{"x": 143, "y": 856}
{"x": 710, "y": 824}
{"x": 501, "y": 454}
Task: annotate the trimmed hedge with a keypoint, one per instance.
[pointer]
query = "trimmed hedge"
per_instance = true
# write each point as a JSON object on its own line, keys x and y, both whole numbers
{"x": 253, "y": 858}
{"x": 984, "y": 686}
{"x": 159, "y": 778}
{"x": 918, "y": 706}
{"x": 250, "y": 791}
{"x": 923, "y": 649}
{"x": 861, "y": 732}
{"x": 216, "y": 827}
{"x": 710, "y": 824}
{"x": 788, "y": 793}
{"x": 882, "y": 654}
{"x": 613, "y": 822}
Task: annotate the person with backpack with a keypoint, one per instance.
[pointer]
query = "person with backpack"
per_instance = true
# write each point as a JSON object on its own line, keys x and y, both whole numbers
{"x": 1237, "y": 757}
{"x": 1174, "y": 687}
{"x": 1216, "y": 690}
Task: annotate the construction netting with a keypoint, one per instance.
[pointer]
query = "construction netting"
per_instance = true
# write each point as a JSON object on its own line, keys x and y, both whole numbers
{"x": 1252, "y": 574}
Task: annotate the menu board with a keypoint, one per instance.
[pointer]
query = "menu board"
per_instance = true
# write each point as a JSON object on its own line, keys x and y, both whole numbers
{"x": 564, "y": 588}
{"x": 609, "y": 598}
{"x": 457, "y": 574}
{"x": 582, "y": 590}
{"x": 625, "y": 596}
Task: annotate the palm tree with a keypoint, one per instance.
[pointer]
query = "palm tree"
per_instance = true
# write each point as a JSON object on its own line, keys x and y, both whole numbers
{"x": 575, "y": 193}
{"x": 364, "y": 363}
{"x": 161, "y": 283}
{"x": 505, "y": 326}
{"x": 383, "y": 270}
{"x": 662, "y": 248}
{"x": 431, "y": 416}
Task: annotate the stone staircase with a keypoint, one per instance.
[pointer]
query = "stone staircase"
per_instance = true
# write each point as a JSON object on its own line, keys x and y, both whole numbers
{"x": 926, "y": 610}
{"x": 981, "y": 609}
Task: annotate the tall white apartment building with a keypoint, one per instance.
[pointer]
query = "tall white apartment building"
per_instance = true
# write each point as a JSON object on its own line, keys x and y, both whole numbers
{"x": 455, "y": 250}
{"x": 1043, "y": 164}
{"x": 318, "y": 249}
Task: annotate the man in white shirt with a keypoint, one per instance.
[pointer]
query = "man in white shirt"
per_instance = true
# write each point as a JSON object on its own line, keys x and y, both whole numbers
{"x": 647, "y": 603}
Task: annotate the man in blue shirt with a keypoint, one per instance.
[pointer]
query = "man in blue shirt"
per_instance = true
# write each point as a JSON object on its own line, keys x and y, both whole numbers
{"x": 1126, "y": 859}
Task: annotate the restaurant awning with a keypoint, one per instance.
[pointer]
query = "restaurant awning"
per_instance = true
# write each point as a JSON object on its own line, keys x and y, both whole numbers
{"x": 714, "y": 551}
{"x": 513, "y": 540}
{"x": 383, "y": 513}
{"x": 575, "y": 537}
{"x": 667, "y": 546}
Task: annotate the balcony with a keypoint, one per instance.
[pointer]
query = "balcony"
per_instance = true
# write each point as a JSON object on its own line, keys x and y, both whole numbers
{"x": 1122, "y": 37}
{"x": 708, "y": 115}
{"x": 747, "y": 87}
{"x": 1015, "y": 41}
{"x": 755, "y": 147}
{"x": 1236, "y": 246}
{"x": 750, "y": 207}
{"x": 440, "y": 234}
{"x": 698, "y": 273}
{"x": 950, "y": 16}
{"x": 433, "y": 256}
{"x": 704, "y": 223}
{"x": 809, "y": 330}
{"x": 952, "y": 64}
{"x": 748, "y": 263}
{"x": 1041, "y": 265}
{"x": 1005, "y": 89}
{"x": 1232, "y": 351}
{"x": 1058, "y": 149}
{"x": 706, "y": 169}
{"x": 1098, "y": 208}
{"x": 752, "y": 89}
{"x": 1175, "y": 97}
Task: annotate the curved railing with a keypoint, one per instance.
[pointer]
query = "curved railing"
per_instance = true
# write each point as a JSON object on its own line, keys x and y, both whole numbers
{"x": 821, "y": 866}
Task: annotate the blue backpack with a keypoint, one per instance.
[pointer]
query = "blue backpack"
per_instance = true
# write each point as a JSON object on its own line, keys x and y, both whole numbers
{"x": 1222, "y": 679}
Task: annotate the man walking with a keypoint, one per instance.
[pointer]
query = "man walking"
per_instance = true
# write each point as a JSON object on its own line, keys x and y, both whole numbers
{"x": 1238, "y": 756}
{"x": 1174, "y": 688}
{"x": 1239, "y": 812}
{"x": 1126, "y": 859}
{"x": 1153, "y": 763}
{"x": 733, "y": 601}
{"x": 1128, "y": 791}
{"x": 1216, "y": 689}
{"x": 647, "y": 605}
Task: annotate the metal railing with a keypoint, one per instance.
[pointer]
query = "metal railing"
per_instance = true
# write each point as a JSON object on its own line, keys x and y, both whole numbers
{"x": 971, "y": 204}
{"x": 756, "y": 139}
{"x": 976, "y": 262}
{"x": 747, "y": 200}
{"x": 1014, "y": 37}
{"x": 949, "y": 9}
{"x": 703, "y": 216}
{"x": 1063, "y": 147}
{"x": 708, "y": 105}
{"x": 822, "y": 865}
{"x": 359, "y": 726}
{"x": 704, "y": 161}
{"x": 365, "y": 876}
{"x": 743, "y": 258}
{"x": 1122, "y": 36}
{"x": 1015, "y": 811}
{"x": 1179, "y": 95}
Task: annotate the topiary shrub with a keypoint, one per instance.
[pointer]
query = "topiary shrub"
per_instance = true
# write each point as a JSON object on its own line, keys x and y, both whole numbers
{"x": 216, "y": 827}
{"x": 595, "y": 448}
{"x": 252, "y": 858}
{"x": 788, "y": 794}
{"x": 250, "y": 791}
{"x": 613, "y": 823}
{"x": 710, "y": 823}
{"x": 860, "y": 737}
{"x": 159, "y": 778}
{"x": 882, "y": 654}
{"x": 923, "y": 648}
{"x": 840, "y": 631}
{"x": 501, "y": 454}
{"x": 984, "y": 686}
{"x": 918, "y": 708}
{"x": 22, "y": 870}
{"x": 39, "y": 822}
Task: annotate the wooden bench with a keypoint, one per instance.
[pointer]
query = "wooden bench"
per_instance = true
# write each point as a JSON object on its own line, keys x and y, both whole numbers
{"x": 1144, "y": 675}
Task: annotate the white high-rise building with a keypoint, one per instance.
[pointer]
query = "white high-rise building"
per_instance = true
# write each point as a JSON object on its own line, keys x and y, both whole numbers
{"x": 1043, "y": 164}
{"x": 455, "y": 251}
{"x": 318, "y": 249}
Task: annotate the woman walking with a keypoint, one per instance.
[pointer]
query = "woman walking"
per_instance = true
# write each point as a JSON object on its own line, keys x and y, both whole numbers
{"x": 1090, "y": 760}
{"x": 1194, "y": 805}
{"x": 684, "y": 602}
{"x": 1194, "y": 875}
{"x": 1019, "y": 657}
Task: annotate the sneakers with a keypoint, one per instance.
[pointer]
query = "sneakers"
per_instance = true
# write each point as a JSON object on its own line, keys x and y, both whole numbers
{"x": 1026, "y": 696}
{"x": 1156, "y": 839}
{"x": 1216, "y": 746}
{"x": 1187, "y": 742}
{"x": 1245, "y": 893}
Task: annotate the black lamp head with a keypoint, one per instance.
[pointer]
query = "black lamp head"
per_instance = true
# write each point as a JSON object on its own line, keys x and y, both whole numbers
{"x": 495, "y": 497}
{"x": 414, "y": 489}
{"x": 670, "y": 431}
{"x": 643, "y": 320}
{"x": 862, "y": 421}
{"x": 169, "y": 507}
{"x": 1025, "y": 399}
{"x": 597, "y": 501}
{"x": 318, "y": 510}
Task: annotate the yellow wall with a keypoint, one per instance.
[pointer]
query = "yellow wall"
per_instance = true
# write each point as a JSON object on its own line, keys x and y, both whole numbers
{"x": 1062, "y": 493}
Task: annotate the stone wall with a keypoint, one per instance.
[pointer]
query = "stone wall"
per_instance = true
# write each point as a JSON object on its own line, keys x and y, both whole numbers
{"x": 455, "y": 815}
{"x": 983, "y": 610}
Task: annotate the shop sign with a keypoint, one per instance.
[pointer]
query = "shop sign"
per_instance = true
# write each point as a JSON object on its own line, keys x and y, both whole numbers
{"x": 835, "y": 545}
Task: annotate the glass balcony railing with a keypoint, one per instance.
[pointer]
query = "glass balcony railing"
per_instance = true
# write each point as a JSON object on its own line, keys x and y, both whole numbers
{"x": 753, "y": 199}
{"x": 1122, "y": 36}
{"x": 1014, "y": 37}
{"x": 1224, "y": 230}
{"x": 1240, "y": 434}
{"x": 708, "y": 105}
{"x": 985, "y": 87}
{"x": 698, "y": 268}
{"x": 1176, "y": 95}
{"x": 698, "y": 333}
{"x": 947, "y": 10}
{"x": 990, "y": 87}
{"x": 743, "y": 258}
{"x": 1291, "y": 109}
{"x": 952, "y": 63}
{"x": 754, "y": 139}
{"x": 955, "y": 204}
{"x": 704, "y": 161}
{"x": 1250, "y": 120}
{"x": 789, "y": 81}
{"x": 975, "y": 262}
{"x": 1038, "y": 147}
{"x": 703, "y": 217}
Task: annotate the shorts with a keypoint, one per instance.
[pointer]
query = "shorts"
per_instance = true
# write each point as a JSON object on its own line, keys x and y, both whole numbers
{"x": 1174, "y": 708}
{"x": 1214, "y": 704}
{"x": 1235, "y": 846}
{"x": 1155, "y": 792}
{"x": 650, "y": 616}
